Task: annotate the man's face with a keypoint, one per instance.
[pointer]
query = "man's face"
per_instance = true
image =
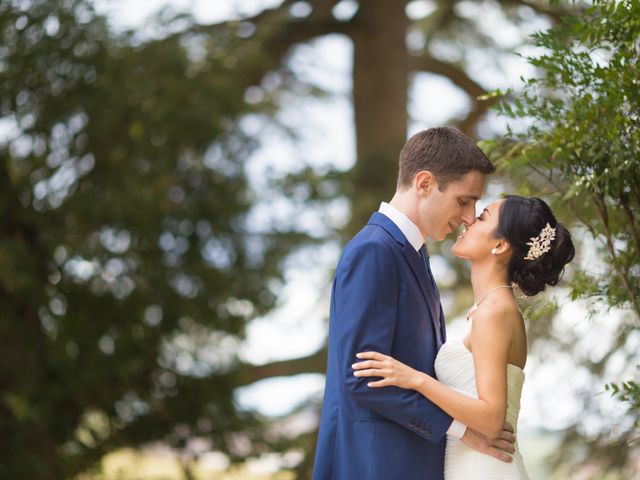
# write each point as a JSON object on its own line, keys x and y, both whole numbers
{"x": 476, "y": 241}
{"x": 440, "y": 213}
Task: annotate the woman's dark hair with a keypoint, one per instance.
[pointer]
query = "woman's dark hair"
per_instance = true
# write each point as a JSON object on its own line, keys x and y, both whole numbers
{"x": 521, "y": 219}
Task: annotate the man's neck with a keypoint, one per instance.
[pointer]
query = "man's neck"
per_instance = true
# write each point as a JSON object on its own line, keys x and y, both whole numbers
{"x": 405, "y": 203}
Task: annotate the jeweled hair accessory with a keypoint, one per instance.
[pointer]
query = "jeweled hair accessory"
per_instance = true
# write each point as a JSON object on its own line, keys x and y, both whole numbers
{"x": 541, "y": 244}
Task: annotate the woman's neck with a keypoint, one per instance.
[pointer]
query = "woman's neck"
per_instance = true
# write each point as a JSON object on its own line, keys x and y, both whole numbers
{"x": 485, "y": 277}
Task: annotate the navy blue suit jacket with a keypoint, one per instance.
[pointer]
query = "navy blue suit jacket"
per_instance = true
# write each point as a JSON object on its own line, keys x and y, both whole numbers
{"x": 382, "y": 299}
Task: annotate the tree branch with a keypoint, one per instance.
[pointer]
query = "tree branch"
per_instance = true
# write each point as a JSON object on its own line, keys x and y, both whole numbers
{"x": 569, "y": 206}
{"x": 291, "y": 30}
{"x": 602, "y": 209}
{"x": 598, "y": 367}
{"x": 556, "y": 13}
{"x": 323, "y": 8}
{"x": 632, "y": 222}
{"x": 468, "y": 124}
{"x": 636, "y": 192}
{"x": 314, "y": 363}
{"x": 276, "y": 32}
{"x": 457, "y": 75}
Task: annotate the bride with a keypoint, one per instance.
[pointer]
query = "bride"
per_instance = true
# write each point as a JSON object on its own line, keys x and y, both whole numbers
{"x": 515, "y": 241}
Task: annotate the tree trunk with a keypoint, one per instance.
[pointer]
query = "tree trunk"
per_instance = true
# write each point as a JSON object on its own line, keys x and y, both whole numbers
{"x": 380, "y": 81}
{"x": 24, "y": 420}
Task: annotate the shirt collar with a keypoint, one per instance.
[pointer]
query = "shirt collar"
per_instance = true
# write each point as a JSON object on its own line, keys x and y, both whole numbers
{"x": 406, "y": 226}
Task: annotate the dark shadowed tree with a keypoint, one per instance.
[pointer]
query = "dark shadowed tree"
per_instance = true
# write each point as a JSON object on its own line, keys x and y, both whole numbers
{"x": 128, "y": 264}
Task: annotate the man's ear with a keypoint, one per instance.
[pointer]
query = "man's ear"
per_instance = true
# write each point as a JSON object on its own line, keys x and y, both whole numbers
{"x": 425, "y": 182}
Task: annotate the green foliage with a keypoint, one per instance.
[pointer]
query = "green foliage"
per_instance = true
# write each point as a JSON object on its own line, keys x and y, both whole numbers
{"x": 129, "y": 266}
{"x": 626, "y": 392}
{"x": 629, "y": 392}
{"x": 582, "y": 142}
{"x": 580, "y": 148}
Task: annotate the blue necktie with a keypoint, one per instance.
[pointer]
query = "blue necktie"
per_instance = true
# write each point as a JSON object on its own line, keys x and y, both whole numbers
{"x": 424, "y": 254}
{"x": 425, "y": 258}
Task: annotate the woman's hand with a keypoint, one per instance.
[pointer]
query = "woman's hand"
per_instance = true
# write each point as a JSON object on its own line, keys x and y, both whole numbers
{"x": 393, "y": 372}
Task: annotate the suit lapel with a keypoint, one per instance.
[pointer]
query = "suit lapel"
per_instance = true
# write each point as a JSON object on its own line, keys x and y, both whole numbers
{"x": 417, "y": 265}
{"x": 392, "y": 229}
{"x": 419, "y": 270}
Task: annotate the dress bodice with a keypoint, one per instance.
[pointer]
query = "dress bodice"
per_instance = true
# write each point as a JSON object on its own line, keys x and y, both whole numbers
{"x": 454, "y": 367}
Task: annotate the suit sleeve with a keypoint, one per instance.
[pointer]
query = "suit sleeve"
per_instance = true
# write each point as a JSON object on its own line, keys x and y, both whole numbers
{"x": 365, "y": 311}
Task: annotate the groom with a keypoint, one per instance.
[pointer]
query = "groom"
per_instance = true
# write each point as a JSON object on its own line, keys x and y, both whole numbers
{"x": 384, "y": 299}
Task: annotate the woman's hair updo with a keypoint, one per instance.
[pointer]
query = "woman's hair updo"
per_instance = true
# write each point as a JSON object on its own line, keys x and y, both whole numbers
{"x": 520, "y": 220}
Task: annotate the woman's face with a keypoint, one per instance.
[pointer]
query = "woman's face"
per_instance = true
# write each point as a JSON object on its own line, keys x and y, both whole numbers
{"x": 477, "y": 240}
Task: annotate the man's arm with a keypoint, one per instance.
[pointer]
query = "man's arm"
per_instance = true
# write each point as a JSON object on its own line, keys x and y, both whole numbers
{"x": 365, "y": 316}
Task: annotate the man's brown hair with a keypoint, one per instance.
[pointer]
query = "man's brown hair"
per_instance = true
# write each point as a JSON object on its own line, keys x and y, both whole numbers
{"x": 445, "y": 152}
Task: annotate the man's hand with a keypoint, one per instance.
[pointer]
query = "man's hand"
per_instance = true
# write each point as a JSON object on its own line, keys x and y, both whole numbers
{"x": 500, "y": 448}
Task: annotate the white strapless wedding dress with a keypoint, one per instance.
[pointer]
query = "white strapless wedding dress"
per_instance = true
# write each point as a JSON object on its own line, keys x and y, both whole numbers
{"x": 455, "y": 368}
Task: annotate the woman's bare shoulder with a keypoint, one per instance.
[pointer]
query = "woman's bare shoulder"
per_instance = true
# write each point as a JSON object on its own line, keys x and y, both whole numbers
{"x": 497, "y": 315}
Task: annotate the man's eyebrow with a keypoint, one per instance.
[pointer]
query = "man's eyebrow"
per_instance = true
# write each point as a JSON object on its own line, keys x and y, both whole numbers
{"x": 471, "y": 197}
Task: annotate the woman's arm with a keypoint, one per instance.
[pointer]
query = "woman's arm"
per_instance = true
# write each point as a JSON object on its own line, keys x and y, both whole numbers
{"x": 490, "y": 341}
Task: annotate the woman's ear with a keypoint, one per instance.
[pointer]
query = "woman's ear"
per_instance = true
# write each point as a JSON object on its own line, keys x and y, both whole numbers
{"x": 501, "y": 247}
{"x": 424, "y": 183}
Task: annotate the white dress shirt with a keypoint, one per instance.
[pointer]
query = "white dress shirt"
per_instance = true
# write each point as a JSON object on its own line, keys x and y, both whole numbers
{"x": 411, "y": 231}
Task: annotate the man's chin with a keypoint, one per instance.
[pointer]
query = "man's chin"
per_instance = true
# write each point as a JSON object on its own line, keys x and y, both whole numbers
{"x": 441, "y": 237}
{"x": 448, "y": 231}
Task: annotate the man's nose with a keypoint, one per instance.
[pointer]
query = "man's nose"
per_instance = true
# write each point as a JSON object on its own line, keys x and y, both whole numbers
{"x": 468, "y": 220}
{"x": 469, "y": 214}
